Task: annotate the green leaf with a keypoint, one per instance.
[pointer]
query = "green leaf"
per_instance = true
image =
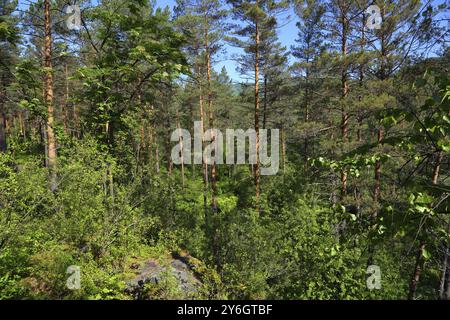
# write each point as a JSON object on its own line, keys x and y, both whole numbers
{"x": 426, "y": 254}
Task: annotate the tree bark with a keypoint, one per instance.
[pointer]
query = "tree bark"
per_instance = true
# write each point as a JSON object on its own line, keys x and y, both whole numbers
{"x": 204, "y": 165}
{"x": 3, "y": 143}
{"x": 180, "y": 140}
{"x": 437, "y": 166}
{"x": 211, "y": 116}
{"x": 383, "y": 76}
{"x": 444, "y": 289}
{"x": 283, "y": 147}
{"x": 417, "y": 272}
{"x": 48, "y": 95}
{"x": 306, "y": 106}
{"x": 257, "y": 170}
{"x": 265, "y": 102}
{"x": 377, "y": 173}
{"x": 66, "y": 102}
{"x": 344, "y": 93}
{"x": 361, "y": 76}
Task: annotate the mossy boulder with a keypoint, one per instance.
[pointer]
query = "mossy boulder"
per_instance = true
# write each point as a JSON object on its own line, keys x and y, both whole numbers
{"x": 169, "y": 276}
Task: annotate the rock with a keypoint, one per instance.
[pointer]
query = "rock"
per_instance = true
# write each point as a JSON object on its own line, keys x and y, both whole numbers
{"x": 150, "y": 271}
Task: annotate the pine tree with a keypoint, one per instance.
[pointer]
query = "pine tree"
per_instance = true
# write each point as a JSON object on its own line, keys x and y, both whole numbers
{"x": 48, "y": 94}
{"x": 256, "y": 17}
{"x": 8, "y": 40}
{"x": 308, "y": 53}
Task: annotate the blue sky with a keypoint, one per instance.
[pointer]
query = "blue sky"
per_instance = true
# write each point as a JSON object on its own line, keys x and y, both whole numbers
{"x": 287, "y": 34}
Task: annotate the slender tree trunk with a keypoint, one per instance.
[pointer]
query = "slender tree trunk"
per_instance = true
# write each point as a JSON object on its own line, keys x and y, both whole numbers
{"x": 307, "y": 92}
{"x": 142, "y": 142}
{"x": 211, "y": 116}
{"x": 306, "y": 106}
{"x": 169, "y": 156}
{"x": 330, "y": 122}
{"x": 447, "y": 281}
{"x": 444, "y": 283}
{"x": 437, "y": 166}
{"x": 377, "y": 188}
{"x": 154, "y": 138}
{"x": 44, "y": 139}
{"x": 358, "y": 133}
{"x": 283, "y": 147}
{"x": 257, "y": 170}
{"x": 417, "y": 268}
{"x": 3, "y": 143}
{"x": 361, "y": 76}
{"x": 48, "y": 95}
{"x": 202, "y": 132}
{"x": 180, "y": 139}
{"x": 141, "y": 158}
{"x": 157, "y": 156}
{"x": 445, "y": 277}
{"x": 265, "y": 102}
{"x": 150, "y": 143}
{"x": 377, "y": 168}
{"x": 344, "y": 93}
{"x": 66, "y": 102}
{"x": 383, "y": 76}
{"x": 9, "y": 124}
{"x": 76, "y": 123}
{"x": 417, "y": 272}
{"x": 21, "y": 123}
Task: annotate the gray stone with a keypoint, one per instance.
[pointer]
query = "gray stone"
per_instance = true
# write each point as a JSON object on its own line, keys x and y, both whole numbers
{"x": 150, "y": 271}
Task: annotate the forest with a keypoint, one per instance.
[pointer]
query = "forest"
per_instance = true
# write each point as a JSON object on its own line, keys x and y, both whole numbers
{"x": 114, "y": 115}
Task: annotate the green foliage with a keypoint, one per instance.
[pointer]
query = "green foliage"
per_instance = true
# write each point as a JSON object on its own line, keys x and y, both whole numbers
{"x": 370, "y": 189}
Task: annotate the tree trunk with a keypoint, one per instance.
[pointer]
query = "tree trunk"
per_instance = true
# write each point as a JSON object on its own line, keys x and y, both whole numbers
{"x": 377, "y": 188}
{"x": 3, "y": 144}
{"x": 202, "y": 132}
{"x": 447, "y": 281}
{"x": 283, "y": 147}
{"x": 76, "y": 123}
{"x": 157, "y": 156}
{"x": 383, "y": 76}
{"x": 66, "y": 102}
{"x": 361, "y": 76}
{"x": 180, "y": 140}
{"x": 444, "y": 293}
{"x": 417, "y": 269}
{"x": 257, "y": 171}
{"x": 142, "y": 143}
{"x": 154, "y": 138}
{"x": 306, "y": 106}
{"x": 48, "y": 95}
{"x": 149, "y": 138}
{"x": 444, "y": 289}
{"x": 169, "y": 156}
{"x": 265, "y": 102}
{"x": 21, "y": 124}
{"x": 211, "y": 117}
{"x": 44, "y": 139}
{"x": 437, "y": 166}
{"x": 307, "y": 92}
{"x": 344, "y": 93}
{"x": 417, "y": 272}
